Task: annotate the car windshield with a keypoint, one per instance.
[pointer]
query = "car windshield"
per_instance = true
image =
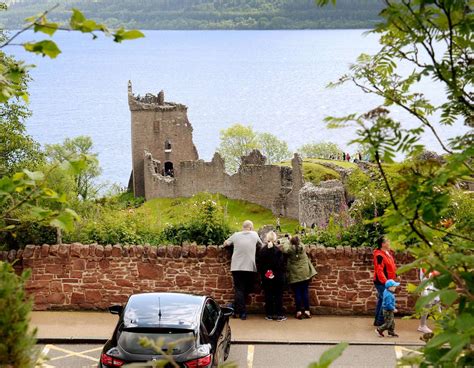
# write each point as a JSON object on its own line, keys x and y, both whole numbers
{"x": 172, "y": 341}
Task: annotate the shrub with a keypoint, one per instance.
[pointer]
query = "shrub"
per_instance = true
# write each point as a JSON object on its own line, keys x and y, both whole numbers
{"x": 206, "y": 226}
{"x": 17, "y": 340}
{"x": 28, "y": 232}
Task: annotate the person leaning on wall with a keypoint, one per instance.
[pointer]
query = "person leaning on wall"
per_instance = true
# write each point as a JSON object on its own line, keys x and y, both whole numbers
{"x": 271, "y": 264}
{"x": 243, "y": 266}
{"x": 300, "y": 272}
{"x": 384, "y": 269}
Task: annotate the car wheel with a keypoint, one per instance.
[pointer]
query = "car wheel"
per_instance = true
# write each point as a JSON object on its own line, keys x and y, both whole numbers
{"x": 227, "y": 343}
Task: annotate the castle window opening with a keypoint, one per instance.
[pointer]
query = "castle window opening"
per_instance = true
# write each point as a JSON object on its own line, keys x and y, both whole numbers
{"x": 167, "y": 146}
{"x": 168, "y": 170}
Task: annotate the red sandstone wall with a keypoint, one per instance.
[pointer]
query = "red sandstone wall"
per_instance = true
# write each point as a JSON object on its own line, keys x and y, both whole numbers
{"x": 80, "y": 276}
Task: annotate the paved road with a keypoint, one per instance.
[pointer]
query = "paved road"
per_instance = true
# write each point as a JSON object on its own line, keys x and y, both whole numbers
{"x": 247, "y": 356}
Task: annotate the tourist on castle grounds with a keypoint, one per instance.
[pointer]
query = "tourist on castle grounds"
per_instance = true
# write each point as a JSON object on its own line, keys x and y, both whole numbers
{"x": 384, "y": 269}
{"x": 278, "y": 223}
{"x": 272, "y": 270}
{"x": 429, "y": 288}
{"x": 243, "y": 266}
{"x": 389, "y": 309}
{"x": 300, "y": 271}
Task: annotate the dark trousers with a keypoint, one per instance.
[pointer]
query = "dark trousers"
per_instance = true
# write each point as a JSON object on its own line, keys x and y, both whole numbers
{"x": 378, "y": 309}
{"x": 273, "y": 290}
{"x": 301, "y": 295}
{"x": 243, "y": 284}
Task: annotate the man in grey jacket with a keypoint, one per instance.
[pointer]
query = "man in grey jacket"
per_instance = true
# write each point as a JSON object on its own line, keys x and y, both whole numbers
{"x": 243, "y": 266}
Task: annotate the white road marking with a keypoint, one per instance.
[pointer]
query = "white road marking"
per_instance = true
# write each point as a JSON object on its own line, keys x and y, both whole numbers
{"x": 250, "y": 351}
{"x": 70, "y": 353}
{"x": 40, "y": 363}
{"x": 399, "y": 350}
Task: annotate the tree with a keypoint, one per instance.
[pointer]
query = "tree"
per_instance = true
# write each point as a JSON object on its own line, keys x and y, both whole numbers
{"x": 435, "y": 39}
{"x": 17, "y": 148}
{"x": 236, "y": 141}
{"x": 85, "y": 186}
{"x": 239, "y": 140}
{"x": 320, "y": 150}
{"x": 274, "y": 149}
{"x": 17, "y": 343}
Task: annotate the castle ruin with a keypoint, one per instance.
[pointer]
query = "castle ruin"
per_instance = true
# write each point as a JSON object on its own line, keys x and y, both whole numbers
{"x": 166, "y": 163}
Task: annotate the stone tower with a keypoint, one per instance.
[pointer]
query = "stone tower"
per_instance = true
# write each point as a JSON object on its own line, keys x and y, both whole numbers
{"x": 163, "y": 129}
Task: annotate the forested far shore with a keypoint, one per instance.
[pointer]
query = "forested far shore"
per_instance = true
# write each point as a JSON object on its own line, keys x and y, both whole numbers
{"x": 204, "y": 14}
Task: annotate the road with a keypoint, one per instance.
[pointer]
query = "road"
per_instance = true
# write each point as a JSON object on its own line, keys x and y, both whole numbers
{"x": 247, "y": 356}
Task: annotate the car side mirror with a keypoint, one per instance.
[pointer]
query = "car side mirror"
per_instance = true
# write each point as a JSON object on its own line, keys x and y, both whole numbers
{"x": 227, "y": 311}
{"x": 116, "y": 309}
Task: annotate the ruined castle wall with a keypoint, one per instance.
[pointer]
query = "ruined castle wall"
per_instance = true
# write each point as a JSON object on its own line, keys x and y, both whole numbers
{"x": 260, "y": 184}
{"x": 150, "y": 129}
{"x": 293, "y": 198}
{"x": 318, "y": 203}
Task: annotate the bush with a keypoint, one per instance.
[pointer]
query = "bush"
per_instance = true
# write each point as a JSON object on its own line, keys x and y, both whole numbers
{"x": 17, "y": 340}
{"x": 110, "y": 226}
{"x": 206, "y": 226}
{"x": 28, "y": 232}
{"x": 341, "y": 231}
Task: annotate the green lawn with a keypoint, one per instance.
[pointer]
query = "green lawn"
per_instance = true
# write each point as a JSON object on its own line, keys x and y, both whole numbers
{"x": 176, "y": 210}
{"x": 314, "y": 172}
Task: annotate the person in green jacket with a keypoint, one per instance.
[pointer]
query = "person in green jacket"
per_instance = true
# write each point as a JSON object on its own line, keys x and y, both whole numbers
{"x": 300, "y": 271}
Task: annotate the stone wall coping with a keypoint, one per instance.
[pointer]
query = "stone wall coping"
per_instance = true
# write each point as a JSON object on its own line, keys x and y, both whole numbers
{"x": 150, "y": 251}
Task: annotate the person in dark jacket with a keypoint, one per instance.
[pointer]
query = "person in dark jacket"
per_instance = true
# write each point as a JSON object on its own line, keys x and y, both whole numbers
{"x": 272, "y": 271}
{"x": 300, "y": 272}
{"x": 384, "y": 269}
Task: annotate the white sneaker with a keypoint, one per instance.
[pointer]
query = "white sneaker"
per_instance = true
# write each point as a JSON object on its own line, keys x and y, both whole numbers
{"x": 424, "y": 329}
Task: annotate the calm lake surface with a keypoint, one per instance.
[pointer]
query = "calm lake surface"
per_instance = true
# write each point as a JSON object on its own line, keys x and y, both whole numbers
{"x": 272, "y": 80}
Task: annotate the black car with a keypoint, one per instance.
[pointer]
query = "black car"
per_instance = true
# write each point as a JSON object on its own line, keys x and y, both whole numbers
{"x": 194, "y": 330}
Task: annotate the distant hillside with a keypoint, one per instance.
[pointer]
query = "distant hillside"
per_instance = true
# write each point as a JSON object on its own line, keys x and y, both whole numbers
{"x": 205, "y": 14}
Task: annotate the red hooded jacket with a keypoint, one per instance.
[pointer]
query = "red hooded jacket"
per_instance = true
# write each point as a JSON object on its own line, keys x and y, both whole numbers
{"x": 384, "y": 267}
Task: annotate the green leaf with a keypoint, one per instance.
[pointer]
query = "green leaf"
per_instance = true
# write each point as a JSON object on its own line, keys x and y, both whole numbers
{"x": 425, "y": 300}
{"x": 329, "y": 356}
{"x": 34, "y": 175}
{"x": 65, "y": 220}
{"x": 121, "y": 35}
{"x": 132, "y": 35}
{"x": 44, "y": 48}
{"x": 77, "y": 17}
{"x": 46, "y": 27}
{"x": 448, "y": 297}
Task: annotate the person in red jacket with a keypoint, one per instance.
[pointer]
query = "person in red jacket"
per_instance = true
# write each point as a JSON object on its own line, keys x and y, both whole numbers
{"x": 384, "y": 269}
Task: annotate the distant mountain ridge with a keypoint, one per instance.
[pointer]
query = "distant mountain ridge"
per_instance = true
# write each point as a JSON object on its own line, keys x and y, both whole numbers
{"x": 204, "y": 14}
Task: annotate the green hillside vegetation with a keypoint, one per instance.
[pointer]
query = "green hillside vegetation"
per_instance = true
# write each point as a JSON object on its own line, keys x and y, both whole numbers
{"x": 206, "y": 14}
{"x": 118, "y": 221}
{"x": 314, "y": 172}
{"x": 176, "y": 210}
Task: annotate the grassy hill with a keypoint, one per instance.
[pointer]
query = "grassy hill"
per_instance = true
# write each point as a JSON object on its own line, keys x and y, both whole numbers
{"x": 315, "y": 172}
{"x": 176, "y": 210}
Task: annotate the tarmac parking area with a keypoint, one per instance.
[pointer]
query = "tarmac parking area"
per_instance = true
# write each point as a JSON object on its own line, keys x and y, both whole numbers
{"x": 246, "y": 356}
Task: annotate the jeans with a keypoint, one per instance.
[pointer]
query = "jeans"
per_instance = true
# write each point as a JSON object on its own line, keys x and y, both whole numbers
{"x": 378, "y": 309}
{"x": 243, "y": 284}
{"x": 301, "y": 295}
{"x": 273, "y": 290}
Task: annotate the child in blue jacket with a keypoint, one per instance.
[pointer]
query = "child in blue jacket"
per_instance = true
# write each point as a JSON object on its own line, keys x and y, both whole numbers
{"x": 389, "y": 308}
